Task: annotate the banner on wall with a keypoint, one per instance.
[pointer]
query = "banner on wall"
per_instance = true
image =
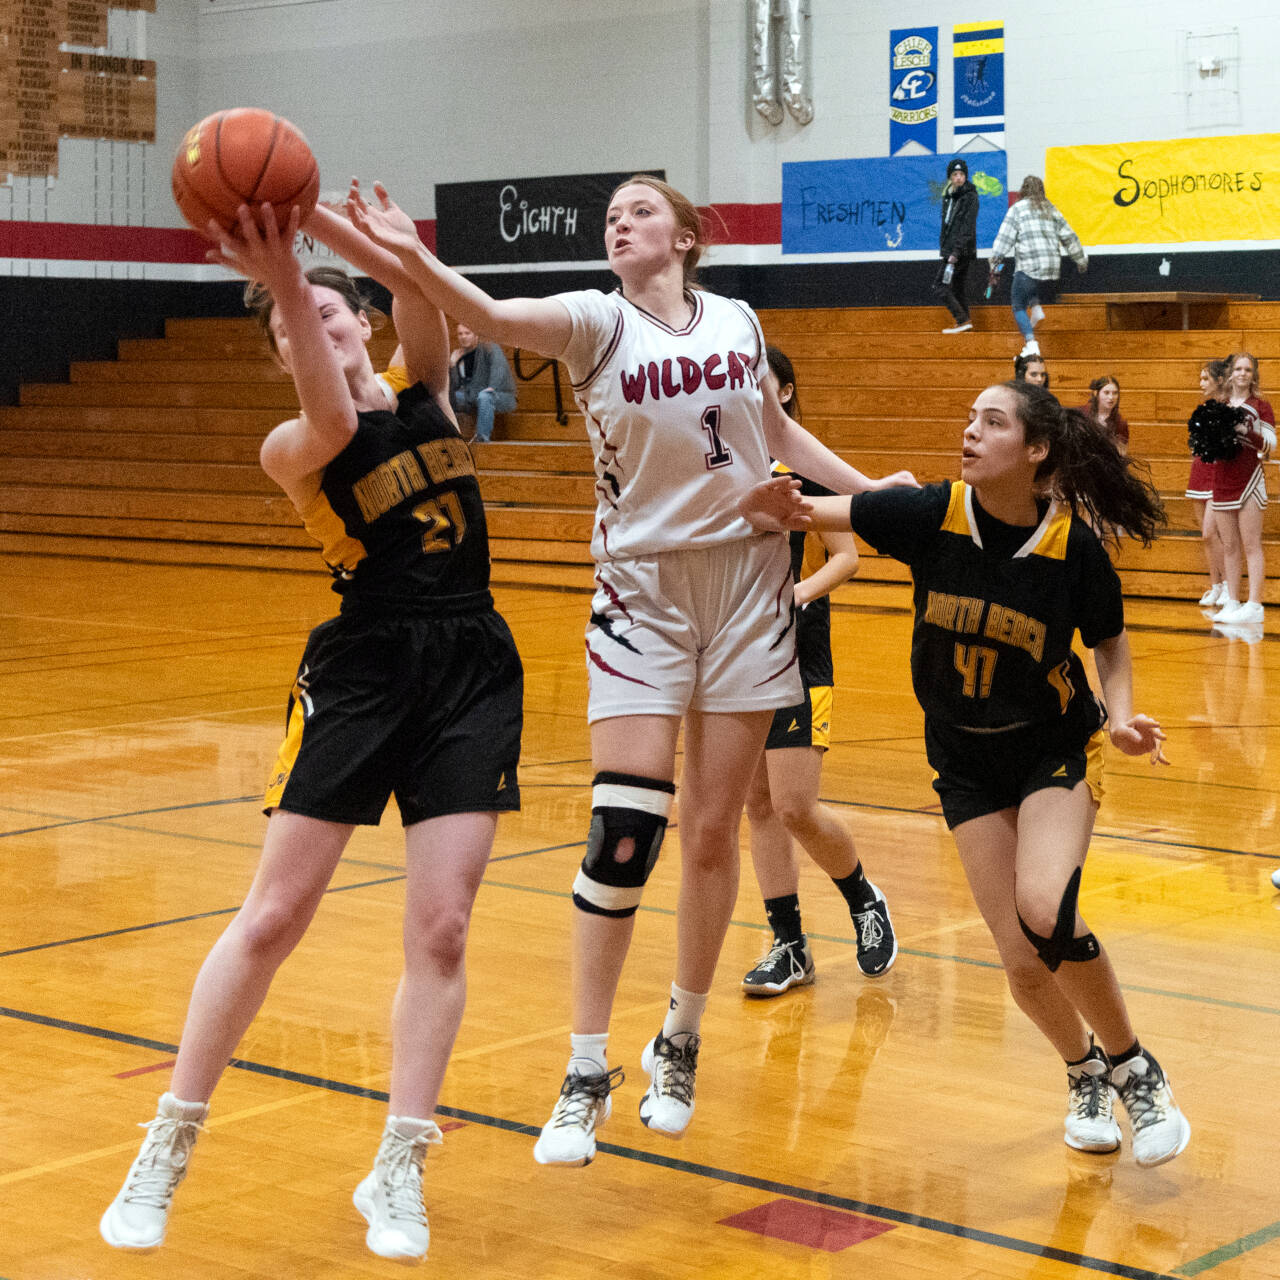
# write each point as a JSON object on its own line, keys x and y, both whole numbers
{"x": 882, "y": 205}
{"x": 516, "y": 220}
{"x": 978, "y": 52}
{"x": 1166, "y": 192}
{"x": 913, "y": 89}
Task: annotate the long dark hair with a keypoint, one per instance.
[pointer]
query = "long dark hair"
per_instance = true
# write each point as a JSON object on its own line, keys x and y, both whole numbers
{"x": 1022, "y": 363}
{"x": 1219, "y": 370}
{"x": 1087, "y": 471}
{"x": 782, "y": 368}
{"x": 1095, "y": 388}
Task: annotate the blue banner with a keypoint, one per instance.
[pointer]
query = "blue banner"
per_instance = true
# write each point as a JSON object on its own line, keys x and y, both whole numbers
{"x": 913, "y": 89}
{"x": 978, "y": 49}
{"x": 883, "y": 205}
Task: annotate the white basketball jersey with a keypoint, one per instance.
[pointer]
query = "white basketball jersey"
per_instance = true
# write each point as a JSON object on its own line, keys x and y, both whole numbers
{"x": 674, "y": 417}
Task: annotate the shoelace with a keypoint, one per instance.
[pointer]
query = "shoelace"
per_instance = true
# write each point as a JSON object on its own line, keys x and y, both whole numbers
{"x": 580, "y": 1096}
{"x": 1087, "y": 1094}
{"x": 400, "y": 1166}
{"x": 162, "y": 1162}
{"x": 674, "y": 1068}
{"x": 870, "y": 930}
{"x": 1139, "y": 1100}
{"x": 780, "y": 956}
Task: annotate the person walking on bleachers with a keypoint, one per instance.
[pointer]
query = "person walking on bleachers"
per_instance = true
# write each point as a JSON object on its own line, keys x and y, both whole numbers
{"x": 480, "y": 382}
{"x": 1036, "y": 236}
{"x": 958, "y": 243}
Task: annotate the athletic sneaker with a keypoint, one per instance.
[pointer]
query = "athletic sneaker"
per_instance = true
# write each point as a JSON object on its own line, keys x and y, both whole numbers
{"x": 1275, "y": 877}
{"x": 1035, "y": 313}
{"x": 390, "y": 1198}
{"x": 667, "y": 1105}
{"x": 569, "y": 1137}
{"x": 1160, "y": 1130}
{"x": 1032, "y": 348}
{"x": 1215, "y": 595}
{"x": 877, "y": 944}
{"x": 1228, "y": 611}
{"x": 138, "y": 1216}
{"x": 963, "y": 327}
{"x": 1246, "y": 613}
{"x": 783, "y": 966}
{"x": 1091, "y": 1121}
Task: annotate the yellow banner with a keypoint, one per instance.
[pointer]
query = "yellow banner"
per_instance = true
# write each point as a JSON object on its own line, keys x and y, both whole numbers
{"x": 1169, "y": 192}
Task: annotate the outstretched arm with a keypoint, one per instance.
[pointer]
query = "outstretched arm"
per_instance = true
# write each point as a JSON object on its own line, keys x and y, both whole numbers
{"x": 420, "y": 325}
{"x": 1135, "y": 735}
{"x": 540, "y": 324}
{"x": 841, "y": 566}
{"x": 796, "y": 448}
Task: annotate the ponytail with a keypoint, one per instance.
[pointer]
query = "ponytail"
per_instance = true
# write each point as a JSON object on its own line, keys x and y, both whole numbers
{"x": 1108, "y": 489}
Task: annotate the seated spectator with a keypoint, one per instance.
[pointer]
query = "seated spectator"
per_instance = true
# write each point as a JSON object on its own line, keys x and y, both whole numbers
{"x": 1104, "y": 408}
{"x": 1031, "y": 369}
{"x": 480, "y": 382}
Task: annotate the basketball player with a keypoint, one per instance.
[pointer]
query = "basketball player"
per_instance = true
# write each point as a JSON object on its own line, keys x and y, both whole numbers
{"x": 691, "y": 621}
{"x": 1003, "y": 579}
{"x": 415, "y": 688}
{"x": 782, "y": 804}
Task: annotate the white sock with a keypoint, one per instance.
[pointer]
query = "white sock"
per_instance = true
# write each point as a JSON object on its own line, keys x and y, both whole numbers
{"x": 588, "y": 1056}
{"x": 176, "y": 1109}
{"x": 685, "y": 1013}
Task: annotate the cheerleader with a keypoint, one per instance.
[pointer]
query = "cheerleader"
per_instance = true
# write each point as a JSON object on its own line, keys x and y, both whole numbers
{"x": 1240, "y": 493}
{"x": 1213, "y": 386}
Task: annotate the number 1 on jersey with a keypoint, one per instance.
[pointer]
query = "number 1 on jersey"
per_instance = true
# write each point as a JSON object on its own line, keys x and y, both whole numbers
{"x": 720, "y": 455}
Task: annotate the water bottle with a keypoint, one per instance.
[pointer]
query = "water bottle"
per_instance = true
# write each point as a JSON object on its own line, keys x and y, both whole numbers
{"x": 948, "y": 271}
{"x": 991, "y": 283}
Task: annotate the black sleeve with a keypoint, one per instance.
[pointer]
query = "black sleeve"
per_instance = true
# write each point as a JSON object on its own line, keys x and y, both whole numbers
{"x": 900, "y": 522}
{"x": 1100, "y": 602}
{"x": 967, "y": 217}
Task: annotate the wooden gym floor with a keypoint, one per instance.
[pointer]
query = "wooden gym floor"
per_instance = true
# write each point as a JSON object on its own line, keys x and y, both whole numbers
{"x": 905, "y": 1128}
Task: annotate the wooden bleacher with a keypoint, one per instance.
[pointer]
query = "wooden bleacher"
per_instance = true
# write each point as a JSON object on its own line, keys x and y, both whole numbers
{"x": 153, "y": 456}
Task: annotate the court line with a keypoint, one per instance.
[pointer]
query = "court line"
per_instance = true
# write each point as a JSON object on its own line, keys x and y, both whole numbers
{"x": 1226, "y": 1252}
{"x": 904, "y": 1218}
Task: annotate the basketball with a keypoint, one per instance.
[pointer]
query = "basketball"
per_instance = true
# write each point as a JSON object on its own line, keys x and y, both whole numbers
{"x": 243, "y": 156}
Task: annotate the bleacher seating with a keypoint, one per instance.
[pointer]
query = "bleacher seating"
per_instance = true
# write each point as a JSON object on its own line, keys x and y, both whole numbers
{"x": 153, "y": 456}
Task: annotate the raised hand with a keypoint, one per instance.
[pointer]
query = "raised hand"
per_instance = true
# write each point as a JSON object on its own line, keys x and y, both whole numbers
{"x": 258, "y": 250}
{"x": 1140, "y": 735}
{"x": 385, "y": 223}
{"x": 899, "y": 479}
{"x": 776, "y": 505}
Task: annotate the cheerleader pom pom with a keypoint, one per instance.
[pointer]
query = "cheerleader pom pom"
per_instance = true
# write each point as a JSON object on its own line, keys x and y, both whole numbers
{"x": 1211, "y": 431}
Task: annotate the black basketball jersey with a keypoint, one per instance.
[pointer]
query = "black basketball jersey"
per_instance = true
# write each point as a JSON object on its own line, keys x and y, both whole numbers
{"x": 813, "y": 622}
{"x": 399, "y": 515}
{"x": 991, "y": 646}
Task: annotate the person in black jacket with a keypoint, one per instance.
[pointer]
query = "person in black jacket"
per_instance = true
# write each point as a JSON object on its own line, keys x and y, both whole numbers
{"x": 958, "y": 243}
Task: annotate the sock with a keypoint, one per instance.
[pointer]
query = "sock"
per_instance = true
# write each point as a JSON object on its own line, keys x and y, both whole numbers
{"x": 1077, "y": 1062}
{"x": 176, "y": 1109}
{"x": 783, "y": 915}
{"x": 410, "y": 1127}
{"x": 588, "y": 1055}
{"x": 856, "y": 890}
{"x": 685, "y": 1013}
{"x": 1131, "y": 1052}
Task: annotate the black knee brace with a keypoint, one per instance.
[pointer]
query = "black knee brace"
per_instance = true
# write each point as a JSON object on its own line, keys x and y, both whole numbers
{"x": 1062, "y": 945}
{"x": 623, "y": 805}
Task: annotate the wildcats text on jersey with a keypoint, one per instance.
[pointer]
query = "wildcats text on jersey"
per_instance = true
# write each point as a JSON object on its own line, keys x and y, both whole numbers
{"x": 660, "y": 379}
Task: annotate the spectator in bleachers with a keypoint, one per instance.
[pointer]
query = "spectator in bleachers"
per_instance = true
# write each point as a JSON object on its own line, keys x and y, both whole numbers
{"x": 1036, "y": 236}
{"x": 958, "y": 243}
{"x": 1240, "y": 492}
{"x": 1213, "y": 386}
{"x": 1104, "y": 408}
{"x": 1031, "y": 369}
{"x": 480, "y": 382}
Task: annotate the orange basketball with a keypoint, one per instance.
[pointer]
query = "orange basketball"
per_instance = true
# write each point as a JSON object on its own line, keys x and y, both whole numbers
{"x": 244, "y": 156}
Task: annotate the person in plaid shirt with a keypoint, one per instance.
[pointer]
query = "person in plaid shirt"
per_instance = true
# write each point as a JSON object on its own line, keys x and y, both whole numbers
{"x": 1036, "y": 236}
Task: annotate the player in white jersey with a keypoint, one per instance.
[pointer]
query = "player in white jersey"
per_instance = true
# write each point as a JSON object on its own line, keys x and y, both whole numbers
{"x": 691, "y": 622}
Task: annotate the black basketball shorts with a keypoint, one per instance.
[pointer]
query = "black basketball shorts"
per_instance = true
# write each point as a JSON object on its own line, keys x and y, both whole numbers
{"x": 427, "y": 709}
